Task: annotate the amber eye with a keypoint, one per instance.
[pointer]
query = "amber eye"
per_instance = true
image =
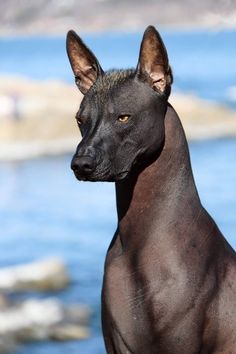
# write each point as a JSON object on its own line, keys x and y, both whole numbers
{"x": 123, "y": 118}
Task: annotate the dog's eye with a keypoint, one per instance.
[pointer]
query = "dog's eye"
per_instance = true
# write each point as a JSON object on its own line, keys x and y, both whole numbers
{"x": 123, "y": 118}
{"x": 79, "y": 121}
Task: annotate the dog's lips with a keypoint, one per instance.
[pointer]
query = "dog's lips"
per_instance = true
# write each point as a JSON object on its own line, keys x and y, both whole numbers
{"x": 103, "y": 177}
{"x": 121, "y": 175}
{"x": 80, "y": 176}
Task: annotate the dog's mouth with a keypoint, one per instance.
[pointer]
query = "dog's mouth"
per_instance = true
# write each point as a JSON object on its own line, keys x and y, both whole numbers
{"x": 121, "y": 175}
{"x": 102, "y": 177}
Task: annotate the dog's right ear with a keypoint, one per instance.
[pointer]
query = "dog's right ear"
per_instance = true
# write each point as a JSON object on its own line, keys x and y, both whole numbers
{"x": 85, "y": 65}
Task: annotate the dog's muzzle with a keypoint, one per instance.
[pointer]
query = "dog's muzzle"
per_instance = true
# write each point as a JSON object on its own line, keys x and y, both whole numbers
{"x": 83, "y": 166}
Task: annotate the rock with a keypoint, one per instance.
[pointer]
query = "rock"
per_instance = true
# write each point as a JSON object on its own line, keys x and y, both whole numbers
{"x": 202, "y": 119}
{"x": 7, "y": 344}
{"x": 35, "y": 319}
{"x": 77, "y": 313}
{"x": 41, "y": 320}
{"x": 49, "y": 274}
{"x": 42, "y": 120}
{"x": 69, "y": 332}
{"x": 3, "y": 302}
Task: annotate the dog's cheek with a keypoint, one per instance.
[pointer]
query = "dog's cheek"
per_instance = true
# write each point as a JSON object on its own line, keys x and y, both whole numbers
{"x": 125, "y": 157}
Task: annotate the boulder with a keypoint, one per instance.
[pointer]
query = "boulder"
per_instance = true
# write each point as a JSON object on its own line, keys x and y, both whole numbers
{"x": 35, "y": 319}
{"x": 44, "y": 275}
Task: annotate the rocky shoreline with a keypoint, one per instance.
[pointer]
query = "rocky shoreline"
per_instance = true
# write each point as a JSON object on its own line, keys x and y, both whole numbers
{"x": 24, "y": 321}
{"x": 37, "y": 118}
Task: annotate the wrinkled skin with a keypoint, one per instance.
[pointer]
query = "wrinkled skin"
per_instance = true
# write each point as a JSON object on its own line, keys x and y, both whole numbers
{"x": 170, "y": 276}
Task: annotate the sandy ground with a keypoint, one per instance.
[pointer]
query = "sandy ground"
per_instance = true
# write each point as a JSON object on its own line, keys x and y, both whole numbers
{"x": 37, "y": 118}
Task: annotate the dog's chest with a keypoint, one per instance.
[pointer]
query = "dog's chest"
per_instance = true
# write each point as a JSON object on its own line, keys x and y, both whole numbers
{"x": 125, "y": 308}
{"x": 145, "y": 307}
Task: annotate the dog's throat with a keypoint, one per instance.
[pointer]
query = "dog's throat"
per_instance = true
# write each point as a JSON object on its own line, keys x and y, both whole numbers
{"x": 164, "y": 187}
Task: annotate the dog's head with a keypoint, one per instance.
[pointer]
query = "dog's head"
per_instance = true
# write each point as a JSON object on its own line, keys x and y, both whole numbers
{"x": 121, "y": 117}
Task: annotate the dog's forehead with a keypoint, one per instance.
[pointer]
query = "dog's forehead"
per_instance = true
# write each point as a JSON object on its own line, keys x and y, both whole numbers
{"x": 108, "y": 84}
{"x": 115, "y": 90}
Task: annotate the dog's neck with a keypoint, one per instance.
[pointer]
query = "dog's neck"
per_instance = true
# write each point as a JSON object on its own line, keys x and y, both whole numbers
{"x": 162, "y": 194}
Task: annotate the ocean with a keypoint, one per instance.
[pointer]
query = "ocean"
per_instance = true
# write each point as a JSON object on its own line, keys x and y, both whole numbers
{"x": 44, "y": 211}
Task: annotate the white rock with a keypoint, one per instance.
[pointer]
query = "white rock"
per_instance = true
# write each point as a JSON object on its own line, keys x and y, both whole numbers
{"x": 43, "y": 319}
{"x": 49, "y": 274}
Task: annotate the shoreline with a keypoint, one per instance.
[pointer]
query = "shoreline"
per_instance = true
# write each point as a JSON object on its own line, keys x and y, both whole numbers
{"x": 37, "y": 118}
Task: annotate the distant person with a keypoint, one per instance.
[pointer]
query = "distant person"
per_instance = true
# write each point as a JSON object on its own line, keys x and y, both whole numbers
{"x": 9, "y": 107}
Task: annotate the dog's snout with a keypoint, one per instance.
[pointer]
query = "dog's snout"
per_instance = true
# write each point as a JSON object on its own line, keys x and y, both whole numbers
{"x": 83, "y": 164}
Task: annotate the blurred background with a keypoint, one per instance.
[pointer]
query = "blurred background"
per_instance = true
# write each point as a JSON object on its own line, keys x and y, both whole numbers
{"x": 54, "y": 231}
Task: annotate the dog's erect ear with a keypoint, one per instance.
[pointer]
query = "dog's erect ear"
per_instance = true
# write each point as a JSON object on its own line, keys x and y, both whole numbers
{"x": 153, "y": 65}
{"x": 83, "y": 62}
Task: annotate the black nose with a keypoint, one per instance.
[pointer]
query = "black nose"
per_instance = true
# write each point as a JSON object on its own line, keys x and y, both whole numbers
{"x": 83, "y": 164}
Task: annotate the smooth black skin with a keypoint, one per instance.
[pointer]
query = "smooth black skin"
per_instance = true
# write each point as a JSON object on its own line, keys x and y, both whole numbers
{"x": 169, "y": 282}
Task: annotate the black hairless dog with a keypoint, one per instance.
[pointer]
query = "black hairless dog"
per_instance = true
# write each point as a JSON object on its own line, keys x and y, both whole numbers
{"x": 169, "y": 284}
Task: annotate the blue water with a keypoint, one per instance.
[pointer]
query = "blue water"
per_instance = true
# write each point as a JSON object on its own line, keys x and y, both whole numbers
{"x": 44, "y": 211}
{"x": 203, "y": 62}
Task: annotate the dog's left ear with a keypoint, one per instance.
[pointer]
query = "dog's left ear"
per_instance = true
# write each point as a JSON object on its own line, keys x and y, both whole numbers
{"x": 84, "y": 64}
{"x": 153, "y": 65}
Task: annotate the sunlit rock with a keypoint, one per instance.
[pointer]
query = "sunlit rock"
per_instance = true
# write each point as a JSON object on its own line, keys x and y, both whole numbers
{"x": 49, "y": 274}
{"x": 35, "y": 319}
